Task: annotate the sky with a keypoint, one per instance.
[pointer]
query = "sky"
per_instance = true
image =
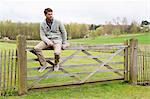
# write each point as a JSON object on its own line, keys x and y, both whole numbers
{"x": 79, "y": 11}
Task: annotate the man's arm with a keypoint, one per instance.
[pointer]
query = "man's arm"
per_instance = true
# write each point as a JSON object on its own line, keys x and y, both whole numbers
{"x": 43, "y": 36}
{"x": 64, "y": 33}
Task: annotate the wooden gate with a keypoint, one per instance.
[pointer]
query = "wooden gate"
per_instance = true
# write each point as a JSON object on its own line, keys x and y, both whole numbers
{"x": 90, "y": 63}
{"x": 78, "y": 65}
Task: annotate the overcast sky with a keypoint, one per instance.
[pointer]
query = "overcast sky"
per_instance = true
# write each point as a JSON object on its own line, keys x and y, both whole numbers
{"x": 80, "y": 11}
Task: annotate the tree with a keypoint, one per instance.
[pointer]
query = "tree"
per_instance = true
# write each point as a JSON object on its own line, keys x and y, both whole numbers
{"x": 134, "y": 28}
{"x": 116, "y": 31}
{"x": 108, "y": 27}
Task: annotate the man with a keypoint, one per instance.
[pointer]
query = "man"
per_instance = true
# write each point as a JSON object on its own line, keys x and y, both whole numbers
{"x": 53, "y": 34}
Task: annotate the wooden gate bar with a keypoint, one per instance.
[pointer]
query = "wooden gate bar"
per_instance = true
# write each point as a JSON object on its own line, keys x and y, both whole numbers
{"x": 72, "y": 74}
{"x": 78, "y": 83}
{"x": 74, "y": 65}
{"x": 79, "y": 65}
{"x": 87, "y": 47}
{"x": 62, "y": 58}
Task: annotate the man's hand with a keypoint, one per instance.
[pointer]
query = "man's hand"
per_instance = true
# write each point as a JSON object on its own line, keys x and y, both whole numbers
{"x": 49, "y": 43}
{"x": 65, "y": 45}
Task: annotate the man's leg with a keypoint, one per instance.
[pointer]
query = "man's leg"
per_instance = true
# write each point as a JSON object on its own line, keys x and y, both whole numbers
{"x": 57, "y": 51}
{"x": 38, "y": 50}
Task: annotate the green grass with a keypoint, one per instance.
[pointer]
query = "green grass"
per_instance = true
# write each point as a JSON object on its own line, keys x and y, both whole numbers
{"x": 7, "y": 46}
{"x": 142, "y": 38}
{"x": 107, "y": 90}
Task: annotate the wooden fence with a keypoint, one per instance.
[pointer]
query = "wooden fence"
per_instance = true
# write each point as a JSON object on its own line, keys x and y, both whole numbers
{"x": 80, "y": 64}
{"x": 8, "y": 72}
{"x": 144, "y": 66}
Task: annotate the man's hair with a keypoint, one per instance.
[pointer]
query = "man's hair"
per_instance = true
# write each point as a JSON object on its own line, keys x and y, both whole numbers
{"x": 47, "y": 10}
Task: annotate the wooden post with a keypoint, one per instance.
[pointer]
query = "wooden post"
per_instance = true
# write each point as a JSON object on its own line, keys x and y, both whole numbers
{"x": 133, "y": 61}
{"x": 126, "y": 70}
{"x": 22, "y": 64}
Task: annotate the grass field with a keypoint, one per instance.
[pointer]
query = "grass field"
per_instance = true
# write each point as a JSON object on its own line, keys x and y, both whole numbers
{"x": 142, "y": 38}
{"x": 107, "y": 90}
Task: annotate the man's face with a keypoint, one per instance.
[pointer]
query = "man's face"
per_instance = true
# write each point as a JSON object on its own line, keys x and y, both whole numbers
{"x": 49, "y": 15}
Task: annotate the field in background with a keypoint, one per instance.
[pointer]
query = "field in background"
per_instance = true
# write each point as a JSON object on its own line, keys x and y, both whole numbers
{"x": 142, "y": 38}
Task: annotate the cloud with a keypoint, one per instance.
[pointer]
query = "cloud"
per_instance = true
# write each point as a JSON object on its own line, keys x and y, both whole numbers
{"x": 83, "y": 11}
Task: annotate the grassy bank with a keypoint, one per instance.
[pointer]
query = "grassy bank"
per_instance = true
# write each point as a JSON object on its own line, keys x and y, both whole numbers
{"x": 107, "y": 90}
{"x": 142, "y": 38}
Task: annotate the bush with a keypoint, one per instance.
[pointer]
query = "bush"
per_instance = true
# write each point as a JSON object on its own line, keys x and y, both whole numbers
{"x": 116, "y": 31}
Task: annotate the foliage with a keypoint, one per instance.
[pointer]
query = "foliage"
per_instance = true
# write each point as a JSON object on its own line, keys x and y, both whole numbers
{"x": 11, "y": 29}
{"x": 76, "y": 30}
{"x": 117, "y": 27}
{"x": 93, "y": 34}
{"x": 133, "y": 28}
{"x": 100, "y": 31}
{"x": 116, "y": 31}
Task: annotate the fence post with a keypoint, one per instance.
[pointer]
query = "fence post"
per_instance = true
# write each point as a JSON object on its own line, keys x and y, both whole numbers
{"x": 126, "y": 70}
{"x": 22, "y": 64}
{"x": 133, "y": 61}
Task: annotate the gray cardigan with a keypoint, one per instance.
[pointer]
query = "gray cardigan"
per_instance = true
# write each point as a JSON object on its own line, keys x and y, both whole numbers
{"x": 57, "y": 33}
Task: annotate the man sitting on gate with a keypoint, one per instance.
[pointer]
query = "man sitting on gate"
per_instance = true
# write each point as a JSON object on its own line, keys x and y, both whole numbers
{"x": 53, "y": 34}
